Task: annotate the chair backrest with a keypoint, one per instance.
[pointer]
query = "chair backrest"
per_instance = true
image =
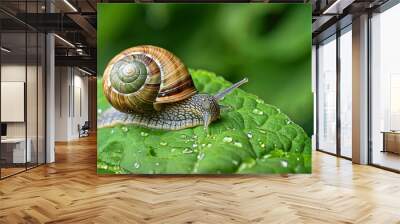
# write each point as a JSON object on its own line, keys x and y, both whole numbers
{"x": 86, "y": 124}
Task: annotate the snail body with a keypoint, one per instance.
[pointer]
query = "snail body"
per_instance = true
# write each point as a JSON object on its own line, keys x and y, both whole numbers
{"x": 150, "y": 87}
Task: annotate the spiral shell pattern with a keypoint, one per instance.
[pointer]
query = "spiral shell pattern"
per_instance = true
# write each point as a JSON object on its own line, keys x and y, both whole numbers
{"x": 139, "y": 78}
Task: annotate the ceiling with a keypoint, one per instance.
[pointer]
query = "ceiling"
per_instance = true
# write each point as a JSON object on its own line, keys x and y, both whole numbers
{"x": 75, "y": 22}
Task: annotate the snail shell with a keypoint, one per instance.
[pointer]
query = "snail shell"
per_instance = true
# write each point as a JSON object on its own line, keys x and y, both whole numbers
{"x": 142, "y": 78}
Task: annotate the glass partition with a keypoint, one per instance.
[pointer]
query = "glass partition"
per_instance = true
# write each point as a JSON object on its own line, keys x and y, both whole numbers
{"x": 346, "y": 92}
{"x": 41, "y": 96}
{"x": 31, "y": 97}
{"x": 14, "y": 155}
{"x": 22, "y": 77}
{"x": 385, "y": 89}
{"x": 327, "y": 95}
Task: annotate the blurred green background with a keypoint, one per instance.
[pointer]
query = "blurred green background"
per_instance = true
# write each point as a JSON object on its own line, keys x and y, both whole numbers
{"x": 268, "y": 43}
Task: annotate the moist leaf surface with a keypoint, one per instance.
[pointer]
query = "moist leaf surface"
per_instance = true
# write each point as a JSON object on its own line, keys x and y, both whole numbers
{"x": 253, "y": 137}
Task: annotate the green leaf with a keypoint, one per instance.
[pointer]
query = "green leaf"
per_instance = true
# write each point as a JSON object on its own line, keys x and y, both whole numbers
{"x": 253, "y": 137}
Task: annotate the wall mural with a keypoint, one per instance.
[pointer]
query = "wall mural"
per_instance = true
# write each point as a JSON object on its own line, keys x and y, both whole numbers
{"x": 204, "y": 89}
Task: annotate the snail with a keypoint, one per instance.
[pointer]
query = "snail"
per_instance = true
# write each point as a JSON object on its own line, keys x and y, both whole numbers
{"x": 149, "y": 86}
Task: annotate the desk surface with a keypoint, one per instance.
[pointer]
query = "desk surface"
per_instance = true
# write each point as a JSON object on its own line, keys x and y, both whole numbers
{"x": 13, "y": 140}
{"x": 390, "y": 132}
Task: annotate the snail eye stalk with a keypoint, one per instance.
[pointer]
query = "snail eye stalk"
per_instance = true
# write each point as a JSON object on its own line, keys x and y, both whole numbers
{"x": 225, "y": 92}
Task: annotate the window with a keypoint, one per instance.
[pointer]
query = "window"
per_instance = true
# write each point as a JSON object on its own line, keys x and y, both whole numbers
{"x": 346, "y": 92}
{"x": 327, "y": 95}
{"x": 385, "y": 89}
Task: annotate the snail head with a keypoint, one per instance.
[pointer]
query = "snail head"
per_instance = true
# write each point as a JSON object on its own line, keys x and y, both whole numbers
{"x": 210, "y": 109}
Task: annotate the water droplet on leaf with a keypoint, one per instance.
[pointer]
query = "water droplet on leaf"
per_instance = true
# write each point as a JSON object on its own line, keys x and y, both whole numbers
{"x": 201, "y": 156}
{"x": 238, "y": 144}
{"x": 187, "y": 151}
{"x": 227, "y": 139}
{"x": 259, "y": 101}
{"x": 144, "y": 134}
{"x": 262, "y": 131}
{"x": 249, "y": 135}
{"x": 258, "y": 112}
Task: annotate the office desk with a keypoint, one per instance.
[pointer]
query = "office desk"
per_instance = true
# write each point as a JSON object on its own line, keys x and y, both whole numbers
{"x": 15, "y": 148}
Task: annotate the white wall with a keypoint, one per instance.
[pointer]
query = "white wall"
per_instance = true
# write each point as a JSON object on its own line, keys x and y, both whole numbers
{"x": 71, "y": 102}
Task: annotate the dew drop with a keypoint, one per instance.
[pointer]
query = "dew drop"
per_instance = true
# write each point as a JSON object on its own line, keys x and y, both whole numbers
{"x": 163, "y": 143}
{"x": 194, "y": 145}
{"x": 258, "y": 112}
{"x": 284, "y": 163}
{"x": 144, "y": 134}
{"x": 195, "y": 136}
{"x": 187, "y": 151}
{"x": 262, "y": 144}
{"x": 227, "y": 139}
{"x": 201, "y": 156}
{"x": 235, "y": 162}
{"x": 209, "y": 145}
{"x": 238, "y": 144}
{"x": 259, "y": 101}
{"x": 136, "y": 165}
{"x": 249, "y": 135}
{"x": 125, "y": 129}
{"x": 203, "y": 145}
{"x": 157, "y": 164}
{"x": 289, "y": 122}
{"x": 112, "y": 131}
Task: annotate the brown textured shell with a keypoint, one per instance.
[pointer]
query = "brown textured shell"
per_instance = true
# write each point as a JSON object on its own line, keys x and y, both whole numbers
{"x": 168, "y": 80}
